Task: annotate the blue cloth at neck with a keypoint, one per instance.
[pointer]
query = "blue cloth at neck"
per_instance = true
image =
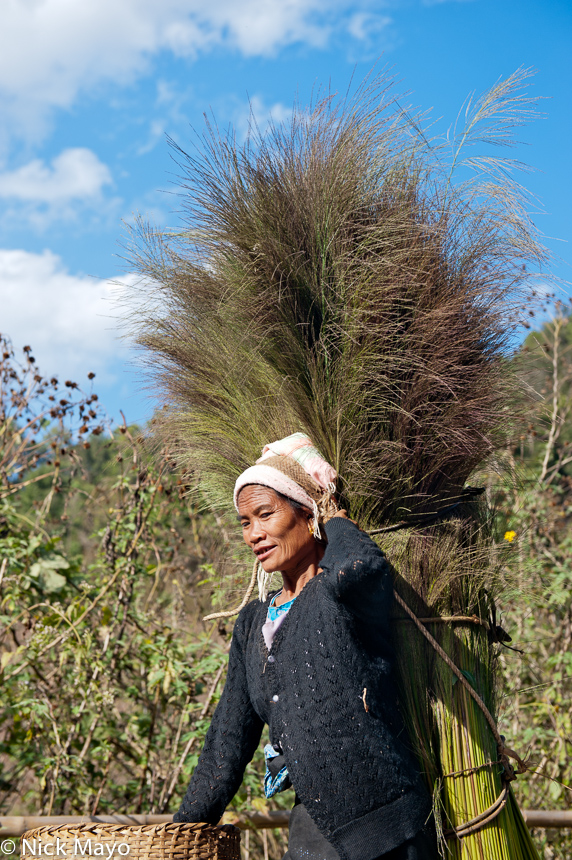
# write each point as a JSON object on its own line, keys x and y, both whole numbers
{"x": 274, "y": 612}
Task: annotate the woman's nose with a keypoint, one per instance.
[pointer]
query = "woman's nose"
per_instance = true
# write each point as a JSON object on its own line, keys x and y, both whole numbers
{"x": 256, "y": 531}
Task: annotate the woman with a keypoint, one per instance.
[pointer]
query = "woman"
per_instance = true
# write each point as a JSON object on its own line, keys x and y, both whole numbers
{"x": 314, "y": 662}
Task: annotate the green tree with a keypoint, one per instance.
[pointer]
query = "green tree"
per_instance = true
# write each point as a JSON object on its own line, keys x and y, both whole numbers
{"x": 534, "y": 500}
{"x": 107, "y": 565}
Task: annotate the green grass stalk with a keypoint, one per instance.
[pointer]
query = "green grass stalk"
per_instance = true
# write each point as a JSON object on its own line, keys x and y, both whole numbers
{"x": 453, "y": 737}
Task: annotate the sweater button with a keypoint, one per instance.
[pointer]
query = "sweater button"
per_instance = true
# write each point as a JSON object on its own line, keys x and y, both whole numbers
{"x": 271, "y": 659}
{"x": 274, "y": 698}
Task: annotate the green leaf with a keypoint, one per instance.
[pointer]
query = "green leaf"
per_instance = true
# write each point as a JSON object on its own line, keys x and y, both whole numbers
{"x": 45, "y": 573}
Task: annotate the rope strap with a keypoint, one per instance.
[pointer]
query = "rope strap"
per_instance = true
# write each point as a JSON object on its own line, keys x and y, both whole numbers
{"x": 483, "y": 818}
{"x": 230, "y": 612}
{"x": 447, "y": 619}
{"x": 468, "y": 770}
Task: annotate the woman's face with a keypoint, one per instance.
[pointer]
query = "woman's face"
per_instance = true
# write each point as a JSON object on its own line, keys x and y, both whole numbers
{"x": 276, "y": 532}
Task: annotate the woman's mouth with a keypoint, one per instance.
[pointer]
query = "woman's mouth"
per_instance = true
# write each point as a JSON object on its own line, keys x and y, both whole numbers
{"x": 263, "y": 553}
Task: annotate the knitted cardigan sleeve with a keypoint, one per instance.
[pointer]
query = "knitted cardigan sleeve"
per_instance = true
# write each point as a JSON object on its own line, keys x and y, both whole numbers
{"x": 230, "y": 743}
{"x": 357, "y": 571}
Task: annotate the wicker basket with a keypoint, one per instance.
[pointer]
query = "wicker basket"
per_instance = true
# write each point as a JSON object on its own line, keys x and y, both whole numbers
{"x": 143, "y": 842}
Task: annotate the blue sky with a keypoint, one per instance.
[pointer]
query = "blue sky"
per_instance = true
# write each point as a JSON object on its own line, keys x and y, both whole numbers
{"x": 90, "y": 88}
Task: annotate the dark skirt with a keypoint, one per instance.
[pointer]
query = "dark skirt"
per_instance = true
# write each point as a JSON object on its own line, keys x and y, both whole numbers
{"x": 305, "y": 842}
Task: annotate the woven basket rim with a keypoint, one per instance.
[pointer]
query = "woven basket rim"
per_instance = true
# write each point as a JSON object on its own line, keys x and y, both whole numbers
{"x": 171, "y": 827}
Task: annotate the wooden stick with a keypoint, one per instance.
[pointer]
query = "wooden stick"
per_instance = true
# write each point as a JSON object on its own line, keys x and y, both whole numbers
{"x": 15, "y": 825}
{"x": 547, "y": 817}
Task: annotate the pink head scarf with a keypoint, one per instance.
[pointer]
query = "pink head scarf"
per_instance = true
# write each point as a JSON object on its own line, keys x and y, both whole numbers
{"x": 318, "y": 481}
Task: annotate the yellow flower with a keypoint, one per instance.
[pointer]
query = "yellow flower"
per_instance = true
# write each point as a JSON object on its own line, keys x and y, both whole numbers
{"x": 509, "y": 536}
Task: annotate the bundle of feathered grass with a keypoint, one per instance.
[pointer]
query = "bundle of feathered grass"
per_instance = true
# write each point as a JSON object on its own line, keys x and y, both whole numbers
{"x": 336, "y": 279}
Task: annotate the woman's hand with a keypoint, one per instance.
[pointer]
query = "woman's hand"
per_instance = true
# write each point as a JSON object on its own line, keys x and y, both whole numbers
{"x": 344, "y": 515}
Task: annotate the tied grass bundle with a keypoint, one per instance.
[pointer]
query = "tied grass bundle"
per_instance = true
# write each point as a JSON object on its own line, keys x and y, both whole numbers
{"x": 335, "y": 278}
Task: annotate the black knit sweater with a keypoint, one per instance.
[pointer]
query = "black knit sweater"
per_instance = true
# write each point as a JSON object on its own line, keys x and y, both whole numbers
{"x": 326, "y": 692}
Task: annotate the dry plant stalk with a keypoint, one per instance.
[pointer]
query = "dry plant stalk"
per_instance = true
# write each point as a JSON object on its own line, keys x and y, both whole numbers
{"x": 336, "y": 277}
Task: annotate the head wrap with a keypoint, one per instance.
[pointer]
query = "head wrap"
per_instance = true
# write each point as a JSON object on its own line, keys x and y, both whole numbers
{"x": 295, "y": 468}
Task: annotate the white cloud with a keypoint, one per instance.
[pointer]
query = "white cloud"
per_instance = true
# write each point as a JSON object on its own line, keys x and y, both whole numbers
{"x": 262, "y": 26}
{"x": 69, "y": 189}
{"x": 52, "y": 50}
{"x": 75, "y": 174}
{"x": 258, "y": 116}
{"x": 365, "y": 25}
{"x": 171, "y": 105}
{"x": 69, "y": 320}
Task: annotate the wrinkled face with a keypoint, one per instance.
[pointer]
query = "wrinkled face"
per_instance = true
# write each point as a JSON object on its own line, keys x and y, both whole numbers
{"x": 277, "y": 533}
